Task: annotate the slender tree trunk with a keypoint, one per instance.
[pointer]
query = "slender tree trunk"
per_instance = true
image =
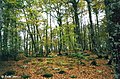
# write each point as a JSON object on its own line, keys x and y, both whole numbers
{"x": 37, "y": 41}
{"x": 16, "y": 42}
{"x": 1, "y": 28}
{"x": 77, "y": 28}
{"x": 24, "y": 43}
{"x": 59, "y": 20}
{"x": 91, "y": 27}
{"x": 34, "y": 37}
{"x": 16, "y": 37}
{"x": 84, "y": 37}
{"x": 46, "y": 36}
{"x": 46, "y": 44}
{"x": 0, "y": 39}
{"x": 81, "y": 32}
{"x": 89, "y": 41}
{"x": 98, "y": 31}
{"x": 60, "y": 35}
{"x": 5, "y": 41}
{"x": 51, "y": 39}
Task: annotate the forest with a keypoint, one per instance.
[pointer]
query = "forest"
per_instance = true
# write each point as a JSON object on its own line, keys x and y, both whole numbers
{"x": 59, "y": 39}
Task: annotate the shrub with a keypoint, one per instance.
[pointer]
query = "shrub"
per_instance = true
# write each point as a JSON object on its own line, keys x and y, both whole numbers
{"x": 94, "y": 63}
{"x": 82, "y": 63}
{"x": 47, "y": 75}
{"x": 25, "y": 76}
{"x": 61, "y": 72}
{"x": 20, "y": 57}
{"x": 27, "y": 61}
{"x": 77, "y": 55}
{"x": 73, "y": 76}
{"x": 24, "y": 66}
{"x": 9, "y": 73}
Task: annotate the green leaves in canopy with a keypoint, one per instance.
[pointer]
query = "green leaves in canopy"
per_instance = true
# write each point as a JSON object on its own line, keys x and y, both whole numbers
{"x": 98, "y": 5}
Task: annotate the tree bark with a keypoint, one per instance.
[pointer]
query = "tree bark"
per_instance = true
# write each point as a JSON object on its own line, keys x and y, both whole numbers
{"x": 1, "y": 28}
{"x": 77, "y": 28}
{"x": 91, "y": 27}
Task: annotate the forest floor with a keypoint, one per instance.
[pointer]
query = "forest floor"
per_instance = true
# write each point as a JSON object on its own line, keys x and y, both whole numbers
{"x": 61, "y": 67}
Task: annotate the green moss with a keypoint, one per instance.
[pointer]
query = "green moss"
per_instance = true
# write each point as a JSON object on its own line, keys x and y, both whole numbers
{"x": 73, "y": 76}
{"x": 61, "y": 72}
{"x": 25, "y": 76}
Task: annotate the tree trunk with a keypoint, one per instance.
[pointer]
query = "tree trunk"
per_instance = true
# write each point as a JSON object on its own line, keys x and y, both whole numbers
{"x": 1, "y": 28}
{"x": 51, "y": 39}
{"x": 97, "y": 31}
{"x": 60, "y": 35}
{"x": 5, "y": 41}
{"x": 77, "y": 28}
{"x": 59, "y": 20}
{"x": 46, "y": 36}
{"x": 0, "y": 39}
{"x": 91, "y": 27}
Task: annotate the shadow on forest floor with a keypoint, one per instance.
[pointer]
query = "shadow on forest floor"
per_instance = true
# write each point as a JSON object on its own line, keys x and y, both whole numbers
{"x": 6, "y": 65}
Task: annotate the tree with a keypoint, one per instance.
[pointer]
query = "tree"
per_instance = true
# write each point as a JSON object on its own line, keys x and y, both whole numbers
{"x": 10, "y": 41}
{"x": 113, "y": 25}
{"x": 77, "y": 28}
{"x": 91, "y": 27}
{"x": 1, "y": 2}
{"x": 59, "y": 10}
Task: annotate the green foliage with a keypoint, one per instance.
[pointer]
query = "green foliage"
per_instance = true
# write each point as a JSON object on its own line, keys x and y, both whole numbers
{"x": 99, "y": 71}
{"x": 23, "y": 66}
{"x": 25, "y": 76}
{"x": 1, "y": 77}
{"x": 27, "y": 61}
{"x": 94, "y": 63}
{"x": 50, "y": 56}
{"x": 20, "y": 57}
{"x": 9, "y": 73}
{"x": 73, "y": 76}
{"x": 47, "y": 75}
{"x": 91, "y": 58}
{"x": 49, "y": 62}
{"x": 82, "y": 63}
{"x": 77, "y": 55}
{"x": 61, "y": 72}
